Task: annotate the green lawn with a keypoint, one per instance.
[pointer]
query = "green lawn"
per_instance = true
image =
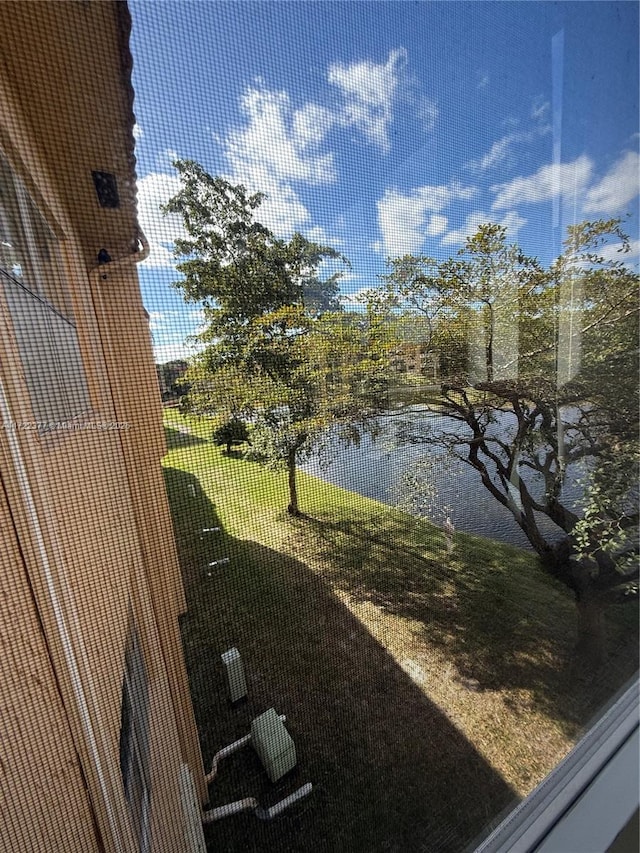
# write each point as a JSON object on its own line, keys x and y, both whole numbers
{"x": 424, "y": 691}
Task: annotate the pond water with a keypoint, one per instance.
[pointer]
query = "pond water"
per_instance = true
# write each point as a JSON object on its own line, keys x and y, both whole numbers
{"x": 375, "y": 468}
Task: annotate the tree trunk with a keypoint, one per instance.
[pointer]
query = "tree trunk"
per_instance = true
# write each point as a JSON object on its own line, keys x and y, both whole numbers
{"x": 293, "y": 492}
{"x": 489, "y": 358}
{"x": 489, "y": 346}
{"x": 591, "y": 641}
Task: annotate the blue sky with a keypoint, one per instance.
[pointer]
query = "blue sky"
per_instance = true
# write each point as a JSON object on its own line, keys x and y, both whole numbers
{"x": 385, "y": 128}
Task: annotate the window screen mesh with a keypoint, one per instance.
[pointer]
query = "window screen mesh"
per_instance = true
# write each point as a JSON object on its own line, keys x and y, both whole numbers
{"x": 351, "y": 389}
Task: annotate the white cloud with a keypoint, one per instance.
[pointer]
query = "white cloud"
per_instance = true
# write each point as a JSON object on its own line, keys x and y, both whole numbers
{"x": 176, "y": 323}
{"x": 423, "y": 108}
{"x": 276, "y": 147}
{"x": 437, "y": 225}
{"x": 159, "y": 257}
{"x": 540, "y": 111}
{"x": 317, "y": 234}
{"x": 138, "y": 133}
{"x": 501, "y": 152}
{"x": 512, "y": 221}
{"x": 311, "y": 124}
{"x": 155, "y": 190}
{"x": 402, "y": 222}
{"x": 282, "y": 210}
{"x": 170, "y": 154}
{"x": 179, "y": 350}
{"x": 612, "y": 252}
{"x": 406, "y": 220}
{"x": 369, "y": 91}
{"x": 497, "y": 155}
{"x": 156, "y": 320}
{"x": 279, "y": 139}
{"x": 568, "y": 180}
{"x": 483, "y": 82}
{"x": 171, "y": 333}
{"x": 619, "y": 186}
{"x": 197, "y": 316}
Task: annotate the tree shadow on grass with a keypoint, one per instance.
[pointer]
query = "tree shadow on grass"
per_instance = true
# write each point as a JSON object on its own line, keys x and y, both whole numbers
{"x": 490, "y": 607}
{"x": 179, "y": 438}
{"x": 390, "y": 772}
{"x": 234, "y": 453}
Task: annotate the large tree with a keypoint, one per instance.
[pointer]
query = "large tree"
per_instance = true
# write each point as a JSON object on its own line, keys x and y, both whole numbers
{"x": 170, "y": 377}
{"x": 471, "y": 307}
{"x": 557, "y": 397}
{"x": 277, "y": 348}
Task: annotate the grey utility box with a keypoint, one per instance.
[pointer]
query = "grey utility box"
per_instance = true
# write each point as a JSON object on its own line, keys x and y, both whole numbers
{"x": 274, "y": 744}
{"x": 234, "y": 671}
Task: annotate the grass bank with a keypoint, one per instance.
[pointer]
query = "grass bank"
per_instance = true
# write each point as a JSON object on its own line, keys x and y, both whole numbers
{"x": 424, "y": 690}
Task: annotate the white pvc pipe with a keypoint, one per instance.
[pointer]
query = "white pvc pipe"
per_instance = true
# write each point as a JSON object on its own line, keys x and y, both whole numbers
{"x": 230, "y": 809}
{"x": 239, "y": 806}
{"x": 229, "y": 750}
{"x": 126, "y": 260}
{"x": 223, "y": 753}
{"x": 304, "y": 791}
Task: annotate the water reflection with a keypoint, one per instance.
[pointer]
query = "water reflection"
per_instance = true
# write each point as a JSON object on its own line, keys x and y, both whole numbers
{"x": 375, "y": 468}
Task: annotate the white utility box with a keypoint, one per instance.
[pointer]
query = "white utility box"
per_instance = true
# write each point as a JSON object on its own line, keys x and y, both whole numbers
{"x": 234, "y": 670}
